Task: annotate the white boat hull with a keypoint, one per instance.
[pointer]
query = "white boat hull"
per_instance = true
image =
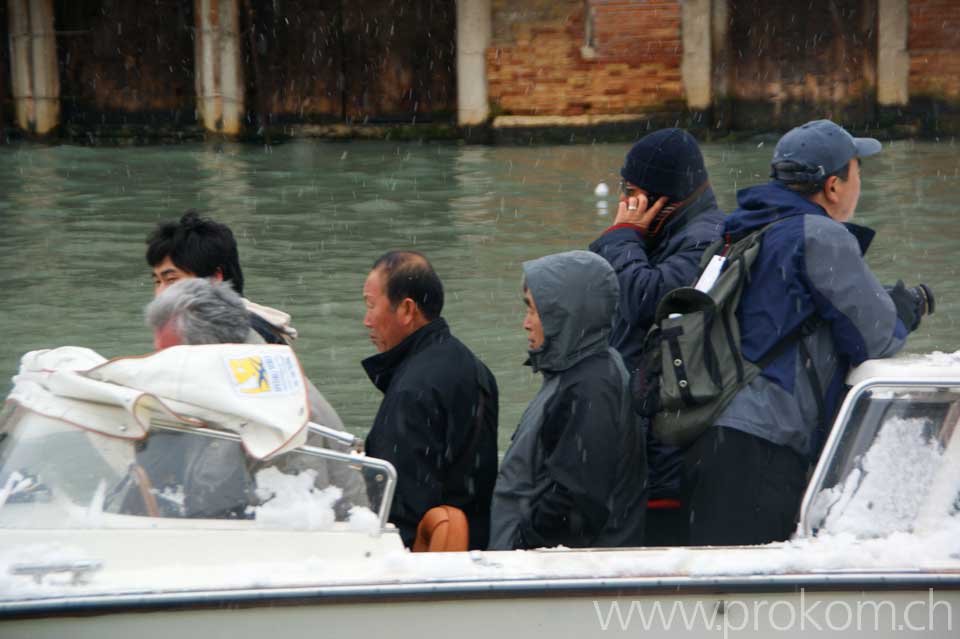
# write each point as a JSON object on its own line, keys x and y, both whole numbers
{"x": 828, "y": 606}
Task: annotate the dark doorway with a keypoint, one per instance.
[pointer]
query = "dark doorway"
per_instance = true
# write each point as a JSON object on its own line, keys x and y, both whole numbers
{"x": 797, "y": 60}
{"x": 125, "y": 63}
{"x": 336, "y": 60}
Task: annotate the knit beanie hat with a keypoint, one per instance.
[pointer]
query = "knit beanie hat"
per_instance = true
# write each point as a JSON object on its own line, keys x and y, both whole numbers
{"x": 666, "y": 162}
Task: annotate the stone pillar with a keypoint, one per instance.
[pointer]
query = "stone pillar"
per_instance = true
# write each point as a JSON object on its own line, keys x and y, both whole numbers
{"x": 474, "y": 27}
{"x": 695, "y": 68}
{"x": 893, "y": 61}
{"x": 219, "y": 76}
{"x": 720, "y": 49}
{"x": 34, "y": 73}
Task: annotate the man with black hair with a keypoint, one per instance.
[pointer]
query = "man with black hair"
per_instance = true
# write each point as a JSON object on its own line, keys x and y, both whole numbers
{"x": 437, "y": 423}
{"x": 196, "y": 246}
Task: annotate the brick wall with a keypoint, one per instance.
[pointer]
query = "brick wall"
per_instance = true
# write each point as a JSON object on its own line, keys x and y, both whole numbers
{"x": 536, "y": 64}
{"x": 934, "y": 45}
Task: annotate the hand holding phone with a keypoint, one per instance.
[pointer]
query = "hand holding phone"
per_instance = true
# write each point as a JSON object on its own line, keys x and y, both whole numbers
{"x": 634, "y": 210}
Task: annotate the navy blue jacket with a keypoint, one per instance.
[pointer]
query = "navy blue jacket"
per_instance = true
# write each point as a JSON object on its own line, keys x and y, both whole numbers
{"x": 645, "y": 276}
{"x": 808, "y": 265}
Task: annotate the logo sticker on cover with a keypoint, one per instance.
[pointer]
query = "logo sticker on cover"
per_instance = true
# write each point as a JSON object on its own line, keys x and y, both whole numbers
{"x": 265, "y": 374}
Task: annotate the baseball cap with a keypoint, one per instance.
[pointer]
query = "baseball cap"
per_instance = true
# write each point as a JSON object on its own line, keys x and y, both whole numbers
{"x": 811, "y": 152}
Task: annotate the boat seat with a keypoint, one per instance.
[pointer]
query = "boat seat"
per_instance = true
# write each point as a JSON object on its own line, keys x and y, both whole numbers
{"x": 442, "y": 529}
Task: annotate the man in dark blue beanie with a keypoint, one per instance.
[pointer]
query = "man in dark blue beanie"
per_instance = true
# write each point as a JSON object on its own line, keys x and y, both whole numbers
{"x": 666, "y": 163}
{"x": 666, "y": 218}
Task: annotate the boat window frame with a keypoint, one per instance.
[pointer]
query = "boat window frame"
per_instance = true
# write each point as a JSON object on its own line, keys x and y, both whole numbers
{"x": 359, "y": 459}
{"x": 839, "y": 429}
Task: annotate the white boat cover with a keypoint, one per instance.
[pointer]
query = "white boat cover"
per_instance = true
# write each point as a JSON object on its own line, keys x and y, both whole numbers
{"x": 254, "y": 390}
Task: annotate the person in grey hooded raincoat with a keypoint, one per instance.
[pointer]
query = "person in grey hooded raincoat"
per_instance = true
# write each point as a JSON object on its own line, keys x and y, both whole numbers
{"x": 575, "y": 472}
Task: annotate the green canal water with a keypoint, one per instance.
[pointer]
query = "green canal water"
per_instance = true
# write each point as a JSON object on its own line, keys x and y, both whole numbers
{"x": 311, "y": 217}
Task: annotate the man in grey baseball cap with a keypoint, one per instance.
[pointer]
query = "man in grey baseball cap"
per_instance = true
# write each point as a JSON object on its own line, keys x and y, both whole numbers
{"x": 821, "y": 160}
{"x": 812, "y": 302}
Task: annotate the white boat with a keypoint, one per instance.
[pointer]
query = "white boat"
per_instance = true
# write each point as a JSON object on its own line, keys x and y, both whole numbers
{"x": 109, "y": 528}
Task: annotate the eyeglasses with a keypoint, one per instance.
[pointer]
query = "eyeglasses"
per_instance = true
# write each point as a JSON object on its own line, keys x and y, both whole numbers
{"x": 627, "y": 189}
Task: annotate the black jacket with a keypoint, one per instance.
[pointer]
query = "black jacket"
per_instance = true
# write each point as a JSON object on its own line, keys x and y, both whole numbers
{"x": 437, "y": 425}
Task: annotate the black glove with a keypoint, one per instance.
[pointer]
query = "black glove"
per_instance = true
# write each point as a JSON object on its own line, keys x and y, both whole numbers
{"x": 912, "y": 303}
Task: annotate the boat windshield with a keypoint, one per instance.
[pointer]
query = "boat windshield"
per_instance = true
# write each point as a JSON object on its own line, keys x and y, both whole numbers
{"x": 893, "y": 466}
{"x": 55, "y": 475}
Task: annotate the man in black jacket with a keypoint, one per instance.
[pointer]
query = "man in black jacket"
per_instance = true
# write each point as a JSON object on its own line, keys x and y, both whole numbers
{"x": 575, "y": 472}
{"x": 437, "y": 423}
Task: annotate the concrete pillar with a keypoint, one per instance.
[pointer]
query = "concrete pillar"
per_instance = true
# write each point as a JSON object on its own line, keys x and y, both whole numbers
{"x": 34, "y": 73}
{"x": 893, "y": 60}
{"x": 219, "y": 76}
{"x": 695, "y": 68}
{"x": 720, "y": 49}
{"x": 474, "y": 28}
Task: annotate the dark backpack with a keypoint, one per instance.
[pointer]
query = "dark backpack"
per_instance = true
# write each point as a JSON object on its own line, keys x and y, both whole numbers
{"x": 691, "y": 365}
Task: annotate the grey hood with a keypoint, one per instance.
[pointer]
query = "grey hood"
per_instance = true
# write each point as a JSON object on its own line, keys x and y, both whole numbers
{"x": 576, "y": 294}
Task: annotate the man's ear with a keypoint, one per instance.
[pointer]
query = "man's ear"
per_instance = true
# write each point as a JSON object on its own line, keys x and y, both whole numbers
{"x": 218, "y": 274}
{"x": 830, "y": 189}
{"x": 407, "y": 310}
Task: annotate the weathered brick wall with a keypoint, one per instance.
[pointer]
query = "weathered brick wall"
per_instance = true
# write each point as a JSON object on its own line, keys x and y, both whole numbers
{"x": 535, "y": 65}
{"x": 798, "y": 61}
{"x": 934, "y": 45}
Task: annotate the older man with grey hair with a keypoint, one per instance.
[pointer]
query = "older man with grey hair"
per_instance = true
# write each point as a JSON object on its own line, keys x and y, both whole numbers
{"x": 205, "y": 311}
{"x": 198, "y": 311}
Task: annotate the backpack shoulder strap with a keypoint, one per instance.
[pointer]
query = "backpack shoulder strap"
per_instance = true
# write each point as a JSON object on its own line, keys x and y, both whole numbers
{"x": 735, "y": 244}
{"x": 715, "y": 248}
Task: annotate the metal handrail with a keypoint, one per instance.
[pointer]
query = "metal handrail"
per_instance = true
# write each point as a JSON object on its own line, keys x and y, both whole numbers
{"x": 840, "y": 427}
{"x": 341, "y": 436}
{"x": 369, "y": 462}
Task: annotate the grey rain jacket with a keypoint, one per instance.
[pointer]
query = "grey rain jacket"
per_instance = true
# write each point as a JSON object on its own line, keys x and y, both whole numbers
{"x": 575, "y": 472}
